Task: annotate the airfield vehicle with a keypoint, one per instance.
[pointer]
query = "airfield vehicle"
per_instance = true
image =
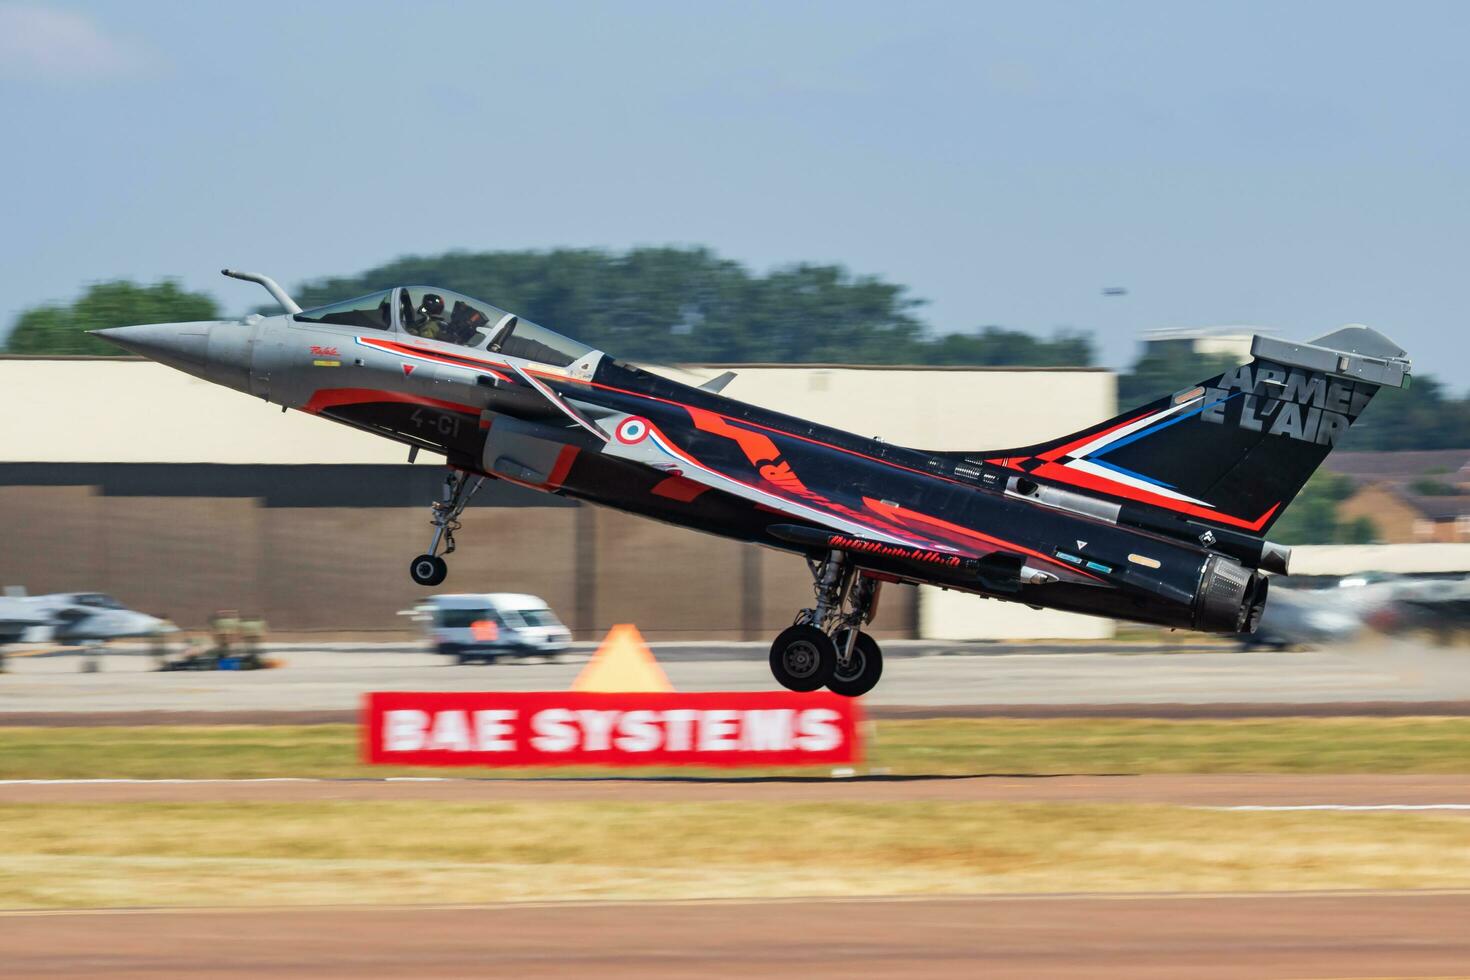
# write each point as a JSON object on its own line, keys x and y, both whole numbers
{"x": 482, "y": 628}
{"x": 1158, "y": 515}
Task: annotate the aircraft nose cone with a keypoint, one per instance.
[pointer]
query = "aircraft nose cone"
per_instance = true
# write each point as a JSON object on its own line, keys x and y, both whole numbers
{"x": 179, "y": 345}
{"x": 214, "y": 350}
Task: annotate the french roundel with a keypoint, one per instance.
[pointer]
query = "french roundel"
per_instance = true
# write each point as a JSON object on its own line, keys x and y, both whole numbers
{"x": 632, "y": 430}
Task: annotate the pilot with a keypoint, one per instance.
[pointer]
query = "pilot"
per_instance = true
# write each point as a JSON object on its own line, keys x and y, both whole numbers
{"x": 428, "y": 320}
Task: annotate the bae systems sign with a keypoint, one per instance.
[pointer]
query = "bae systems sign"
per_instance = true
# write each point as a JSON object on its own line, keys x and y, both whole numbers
{"x": 773, "y": 728}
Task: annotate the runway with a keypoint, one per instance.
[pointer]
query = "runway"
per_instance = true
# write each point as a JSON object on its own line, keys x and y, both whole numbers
{"x": 1397, "y": 672}
{"x": 1139, "y": 937}
{"x": 1268, "y": 934}
{"x": 1183, "y": 711}
{"x": 1222, "y": 791}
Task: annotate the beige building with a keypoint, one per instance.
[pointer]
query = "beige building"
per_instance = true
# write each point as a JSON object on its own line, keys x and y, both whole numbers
{"x": 1229, "y": 341}
{"x": 135, "y": 411}
{"x": 1396, "y": 559}
{"x": 180, "y": 497}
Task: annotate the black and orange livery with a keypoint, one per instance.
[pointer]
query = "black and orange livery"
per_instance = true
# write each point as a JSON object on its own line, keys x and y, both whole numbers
{"x": 1158, "y": 515}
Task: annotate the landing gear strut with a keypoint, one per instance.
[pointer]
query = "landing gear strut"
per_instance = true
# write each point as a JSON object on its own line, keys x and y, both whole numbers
{"x": 430, "y": 569}
{"x": 826, "y": 646}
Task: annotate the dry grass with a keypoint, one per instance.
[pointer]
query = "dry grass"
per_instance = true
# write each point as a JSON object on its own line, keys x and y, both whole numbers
{"x": 940, "y": 746}
{"x": 319, "y": 853}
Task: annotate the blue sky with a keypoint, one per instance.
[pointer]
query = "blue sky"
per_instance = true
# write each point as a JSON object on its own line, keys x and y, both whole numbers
{"x": 1291, "y": 165}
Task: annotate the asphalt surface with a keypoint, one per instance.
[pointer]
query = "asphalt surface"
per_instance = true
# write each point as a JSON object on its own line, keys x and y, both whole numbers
{"x": 1224, "y": 711}
{"x": 335, "y": 679}
{"x": 1135, "y": 936}
{"x": 1347, "y": 791}
{"x": 1139, "y": 937}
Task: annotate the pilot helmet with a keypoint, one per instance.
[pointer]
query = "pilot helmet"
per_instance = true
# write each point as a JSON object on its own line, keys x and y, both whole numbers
{"x": 433, "y": 304}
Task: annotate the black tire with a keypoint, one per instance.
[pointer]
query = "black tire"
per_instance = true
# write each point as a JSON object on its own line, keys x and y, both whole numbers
{"x": 428, "y": 570}
{"x": 802, "y": 658}
{"x": 863, "y": 668}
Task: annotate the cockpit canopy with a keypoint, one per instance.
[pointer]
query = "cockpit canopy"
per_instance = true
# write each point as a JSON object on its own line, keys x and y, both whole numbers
{"x": 97, "y": 600}
{"x": 448, "y": 317}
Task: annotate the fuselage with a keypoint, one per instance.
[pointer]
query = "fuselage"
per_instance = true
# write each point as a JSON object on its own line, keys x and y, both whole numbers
{"x": 577, "y": 422}
{"x": 73, "y": 618}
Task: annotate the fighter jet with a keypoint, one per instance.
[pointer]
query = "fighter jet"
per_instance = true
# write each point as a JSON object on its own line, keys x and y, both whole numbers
{"x": 17, "y": 618}
{"x": 1157, "y": 516}
{"x": 85, "y": 619}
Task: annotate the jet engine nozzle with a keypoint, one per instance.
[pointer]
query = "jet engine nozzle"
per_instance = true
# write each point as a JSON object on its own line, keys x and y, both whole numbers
{"x": 1231, "y": 597}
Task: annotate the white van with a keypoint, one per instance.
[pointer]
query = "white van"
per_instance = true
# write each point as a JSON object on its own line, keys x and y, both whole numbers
{"x": 482, "y": 628}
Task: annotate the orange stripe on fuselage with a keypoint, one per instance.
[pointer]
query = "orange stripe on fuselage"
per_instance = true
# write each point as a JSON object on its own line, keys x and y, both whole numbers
{"x": 441, "y": 357}
{"x": 755, "y": 425}
{"x": 679, "y": 488}
{"x": 758, "y": 448}
{"x": 563, "y": 466}
{"x": 338, "y": 397}
{"x": 903, "y": 515}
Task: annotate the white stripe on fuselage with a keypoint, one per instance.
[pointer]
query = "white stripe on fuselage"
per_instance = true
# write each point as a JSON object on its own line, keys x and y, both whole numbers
{"x": 1102, "y": 442}
{"x": 720, "y": 481}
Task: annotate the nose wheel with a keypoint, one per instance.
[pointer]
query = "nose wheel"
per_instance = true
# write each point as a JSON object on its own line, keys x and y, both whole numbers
{"x": 826, "y": 646}
{"x": 459, "y": 487}
{"x": 428, "y": 570}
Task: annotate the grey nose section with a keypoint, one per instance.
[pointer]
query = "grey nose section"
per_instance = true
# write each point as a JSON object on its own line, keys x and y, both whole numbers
{"x": 179, "y": 345}
{"x": 214, "y": 350}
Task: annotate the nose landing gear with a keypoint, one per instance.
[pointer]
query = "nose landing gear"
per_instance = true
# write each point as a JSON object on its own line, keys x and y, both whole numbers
{"x": 826, "y": 647}
{"x": 430, "y": 569}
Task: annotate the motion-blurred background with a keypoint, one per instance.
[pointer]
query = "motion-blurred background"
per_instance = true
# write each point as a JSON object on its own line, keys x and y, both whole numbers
{"x": 962, "y": 227}
{"x": 950, "y": 225}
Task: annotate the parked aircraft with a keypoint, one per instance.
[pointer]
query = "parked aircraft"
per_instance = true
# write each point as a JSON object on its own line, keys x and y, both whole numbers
{"x": 1434, "y": 604}
{"x": 1390, "y": 604}
{"x": 85, "y": 619}
{"x": 1305, "y": 618}
{"x": 1157, "y": 515}
{"x": 17, "y": 618}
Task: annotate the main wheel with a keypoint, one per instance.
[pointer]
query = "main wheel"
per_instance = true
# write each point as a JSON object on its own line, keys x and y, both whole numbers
{"x": 802, "y": 658}
{"x": 861, "y": 672}
{"x": 428, "y": 570}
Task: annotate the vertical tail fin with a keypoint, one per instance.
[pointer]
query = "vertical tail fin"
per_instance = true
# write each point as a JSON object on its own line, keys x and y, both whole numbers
{"x": 1236, "y": 448}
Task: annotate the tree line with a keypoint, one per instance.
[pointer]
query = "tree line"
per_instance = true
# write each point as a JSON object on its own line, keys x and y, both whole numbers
{"x": 689, "y": 305}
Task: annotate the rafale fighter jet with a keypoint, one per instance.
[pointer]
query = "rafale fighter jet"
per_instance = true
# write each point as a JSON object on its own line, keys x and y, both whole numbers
{"x": 1156, "y": 516}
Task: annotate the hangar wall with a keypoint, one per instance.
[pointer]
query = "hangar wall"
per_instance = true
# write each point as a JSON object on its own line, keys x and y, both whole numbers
{"x": 179, "y": 497}
{"x": 345, "y": 569}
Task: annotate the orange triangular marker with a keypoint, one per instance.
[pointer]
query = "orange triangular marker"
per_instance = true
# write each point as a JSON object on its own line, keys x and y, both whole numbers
{"x": 622, "y": 663}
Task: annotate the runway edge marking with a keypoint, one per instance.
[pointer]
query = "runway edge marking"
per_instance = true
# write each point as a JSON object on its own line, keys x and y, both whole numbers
{"x": 993, "y": 897}
{"x": 1342, "y": 806}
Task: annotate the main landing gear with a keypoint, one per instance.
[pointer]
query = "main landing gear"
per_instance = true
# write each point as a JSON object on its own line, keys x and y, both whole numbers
{"x": 826, "y": 647}
{"x": 459, "y": 486}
